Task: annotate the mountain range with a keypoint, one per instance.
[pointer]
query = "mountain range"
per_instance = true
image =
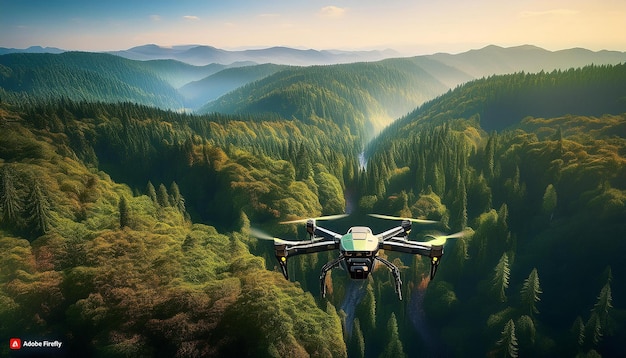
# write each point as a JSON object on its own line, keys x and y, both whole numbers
{"x": 200, "y": 55}
{"x": 172, "y": 78}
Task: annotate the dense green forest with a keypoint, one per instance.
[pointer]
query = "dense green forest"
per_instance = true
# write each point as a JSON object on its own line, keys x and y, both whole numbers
{"x": 125, "y": 227}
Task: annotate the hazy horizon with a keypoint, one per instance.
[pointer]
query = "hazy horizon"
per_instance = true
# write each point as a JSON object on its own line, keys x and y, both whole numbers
{"x": 412, "y": 28}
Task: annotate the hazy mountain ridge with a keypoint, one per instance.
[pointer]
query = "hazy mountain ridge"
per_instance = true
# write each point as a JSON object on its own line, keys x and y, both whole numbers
{"x": 202, "y": 55}
{"x": 198, "y": 93}
{"x": 172, "y": 84}
{"x": 85, "y": 76}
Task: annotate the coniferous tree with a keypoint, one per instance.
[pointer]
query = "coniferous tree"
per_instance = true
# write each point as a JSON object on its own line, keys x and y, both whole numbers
{"x": 151, "y": 192}
{"x": 38, "y": 210}
{"x": 367, "y": 310}
{"x": 394, "y": 346}
{"x": 549, "y": 201}
{"x": 357, "y": 341}
{"x": 508, "y": 340}
{"x": 163, "y": 198}
{"x": 578, "y": 328}
{"x": 10, "y": 202}
{"x": 176, "y": 199}
{"x": 530, "y": 293}
{"x": 604, "y": 305}
{"x": 124, "y": 212}
{"x": 500, "y": 280}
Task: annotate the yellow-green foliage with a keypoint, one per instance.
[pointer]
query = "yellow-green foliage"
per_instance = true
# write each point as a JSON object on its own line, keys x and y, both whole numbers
{"x": 160, "y": 284}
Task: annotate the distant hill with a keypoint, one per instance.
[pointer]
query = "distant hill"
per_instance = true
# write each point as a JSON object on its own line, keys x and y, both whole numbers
{"x": 198, "y": 93}
{"x": 504, "y": 101}
{"x": 203, "y": 55}
{"x": 32, "y": 49}
{"x": 359, "y": 95}
{"x": 496, "y": 60}
{"x": 86, "y": 77}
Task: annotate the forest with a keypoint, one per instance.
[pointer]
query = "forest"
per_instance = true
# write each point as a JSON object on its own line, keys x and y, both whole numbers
{"x": 126, "y": 228}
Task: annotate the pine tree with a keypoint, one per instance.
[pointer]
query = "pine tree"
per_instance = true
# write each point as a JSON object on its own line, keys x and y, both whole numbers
{"x": 604, "y": 305}
{"x": 176, "y": 198}
{"x": 394, "y": 346}
{"x": 367, "y": 310}
{"x": 578, "y": 328}
{"x": 508, "y": 341}
{"x": 357, "y": 342}
{"x": 500, "y": 280}
{"x": 151, "y": 192}
{"x": 549, "y": 201}
{"x": 124, "y": 212}
{"x": 38, "y": 209}
{"x": 163, "y": 198}
{"x": 10, "y": 202}
{"x": 530, "y": 293}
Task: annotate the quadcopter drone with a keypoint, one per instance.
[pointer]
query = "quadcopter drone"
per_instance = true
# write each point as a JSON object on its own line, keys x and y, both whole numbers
{"x": 358, "y": 248}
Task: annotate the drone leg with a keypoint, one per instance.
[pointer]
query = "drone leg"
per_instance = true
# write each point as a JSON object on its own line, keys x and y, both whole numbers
{"x": 329, "y": 266}
{"x": 396, "y": 275}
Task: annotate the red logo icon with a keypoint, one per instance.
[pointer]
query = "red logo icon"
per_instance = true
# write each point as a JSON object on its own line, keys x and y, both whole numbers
{"x": 15, "y": 343}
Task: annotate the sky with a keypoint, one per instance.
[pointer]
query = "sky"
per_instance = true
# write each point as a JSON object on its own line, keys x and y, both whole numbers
{"x": 409, "y": 27}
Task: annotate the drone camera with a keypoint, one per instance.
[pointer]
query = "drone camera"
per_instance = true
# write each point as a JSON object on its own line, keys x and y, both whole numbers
{"x": 406, "y": 225}
{"x": 310, "y": 227}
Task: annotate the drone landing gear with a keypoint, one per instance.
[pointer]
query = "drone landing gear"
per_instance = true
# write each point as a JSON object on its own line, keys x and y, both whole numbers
{"x": 329, "y": 266}
{"x": 396, "y": 275}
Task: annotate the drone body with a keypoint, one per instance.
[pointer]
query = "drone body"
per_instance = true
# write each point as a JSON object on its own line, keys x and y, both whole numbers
{"x": 358, "y": 248}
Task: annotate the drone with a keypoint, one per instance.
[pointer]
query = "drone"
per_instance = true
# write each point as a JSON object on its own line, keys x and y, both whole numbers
{"x": 358, "y": 247}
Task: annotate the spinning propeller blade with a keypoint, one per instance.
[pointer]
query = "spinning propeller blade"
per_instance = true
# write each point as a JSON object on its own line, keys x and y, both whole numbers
{"x": 263, "y": 236}
{"x": 417, "y": 221}
{"x": 438, "y": 240}
{"x": 329, "y": 217}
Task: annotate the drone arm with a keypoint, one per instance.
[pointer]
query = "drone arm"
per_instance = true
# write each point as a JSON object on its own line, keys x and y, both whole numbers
{"x": 396, "y": 275}
{"x": 396, "y": 231}
{"x": 327, "y": 267}
{"x": 284, "y": 249}
{"x": 435, "y": 252}
{"x": 329, "y": 233}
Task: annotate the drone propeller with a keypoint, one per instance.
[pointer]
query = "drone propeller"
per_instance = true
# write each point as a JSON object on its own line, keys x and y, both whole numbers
{"x": 417, "y": 221}
{"x": 329, "y": 217}
{"x": 438, "y": 240}
{"x": 263, "y": 236}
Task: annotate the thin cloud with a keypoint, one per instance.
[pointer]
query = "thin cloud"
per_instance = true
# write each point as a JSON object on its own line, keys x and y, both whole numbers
{"x": 552, "y": 12}
{"x": 155, "y": 17}
{"x": 191, "y": 18}
{"x": 333, "y": 11}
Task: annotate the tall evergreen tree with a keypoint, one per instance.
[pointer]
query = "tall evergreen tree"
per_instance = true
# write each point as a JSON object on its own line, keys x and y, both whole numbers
{"x": 38, "y": 210}
{"x": 508, "y": 340}
{"x": 530, "y": 293}
{"x": 367, "y": 310}
{"x": 357, "y": 341}
{"x": 394, "y": 345}
{"x": 549, "y": 201}
{"x": 176, "y": 199}
{"x": 10, "y": 202}
{"x": 163, "y": 198}
{"x": 151, "y": 192}
{"x": 500, "y": 280}
{"x": 124, "y": 212}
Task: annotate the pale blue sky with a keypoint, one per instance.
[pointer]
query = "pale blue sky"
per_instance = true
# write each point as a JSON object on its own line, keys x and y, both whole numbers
{"x": 412, "y": 27}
